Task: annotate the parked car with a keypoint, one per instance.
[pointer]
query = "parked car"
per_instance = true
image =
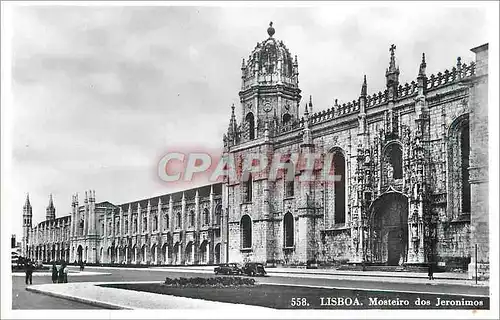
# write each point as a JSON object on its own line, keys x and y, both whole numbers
{"x": 254, "y": 268}
{"x": 228, "y": 268}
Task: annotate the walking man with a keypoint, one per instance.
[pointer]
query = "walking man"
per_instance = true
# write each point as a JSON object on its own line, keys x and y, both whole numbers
{"x": 81, "y": 265}
{"x": 430, "y": 272}
{"x": 29, "y": 271}
{"x": 54, "y": 272}
{"x": 63, "y": 273}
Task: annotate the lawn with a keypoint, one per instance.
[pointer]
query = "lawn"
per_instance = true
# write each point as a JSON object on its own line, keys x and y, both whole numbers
{"x": 294, "y": 297}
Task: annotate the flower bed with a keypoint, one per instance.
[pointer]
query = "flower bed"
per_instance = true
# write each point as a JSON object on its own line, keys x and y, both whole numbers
{"x": 209, "y": 282}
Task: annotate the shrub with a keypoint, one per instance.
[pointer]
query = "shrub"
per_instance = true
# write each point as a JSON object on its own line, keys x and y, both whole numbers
{"x": 209, "y": 282}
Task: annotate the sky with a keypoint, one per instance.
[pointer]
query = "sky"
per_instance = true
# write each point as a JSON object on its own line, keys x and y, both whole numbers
{"x": 100, "y": 94}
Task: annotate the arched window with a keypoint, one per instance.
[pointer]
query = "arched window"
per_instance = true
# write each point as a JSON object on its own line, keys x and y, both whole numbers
{"x": 396, "y": 161}
{"x": 167, "y": 221}
{"x": 251, "y": 125}
{"x": 288, "y": 177}
{"x": 135, "y": 224}
{"x": 288, "y": 235}
{"x": 144, "y": 224}
{"x": 464, "y": 165}
{"x": 126, "y": 226}
{"x": 459, "y": 189}
{"x": 339, "y": 186}
{"x": 246, "y": 232}
{"x": 206, "y": 217}
{"x": 218, "y": 214}
{"x": 191, "y": 218}
{"x": 155, "y": 223}
{"x": 247, "y": 189}
{"x": 178, "y": 220}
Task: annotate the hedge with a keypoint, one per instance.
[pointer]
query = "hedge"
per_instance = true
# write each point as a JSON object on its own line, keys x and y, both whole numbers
{"x": 209, "y": 282}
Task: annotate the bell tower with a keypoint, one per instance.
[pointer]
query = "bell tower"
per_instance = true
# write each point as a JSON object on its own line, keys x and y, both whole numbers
{"x": 51, "y": 210}
{"x": 269, "y": 88}
{"x": 27, "y": 220}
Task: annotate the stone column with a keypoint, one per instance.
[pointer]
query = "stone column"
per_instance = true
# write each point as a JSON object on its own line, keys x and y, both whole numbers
{"x": 85, "y": 208}
{"x": 183, "y": 211}
{"x": 196, "y": 211}
{"x": 92, "y": 213}
{"x": 139, "y": 219}
{"x": 130, "y": 221}
{"x": 212, "y": 209}
{"x": 148, "y": 218}
{"x": 171, "y": 214}
{"x": 120, "y": 230}
{"x": 306, "y": 226}
{"x": 113, "y": 224}
{"x": 105, "y": 234}
{"x": 160, "y": 217}
{"x": 72, "y": 230}
{"x": 478, "y": 168}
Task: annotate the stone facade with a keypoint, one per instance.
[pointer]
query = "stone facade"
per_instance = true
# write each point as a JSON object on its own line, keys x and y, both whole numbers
{"x": 413, "y": 161}
{"x": 178, "y": 228}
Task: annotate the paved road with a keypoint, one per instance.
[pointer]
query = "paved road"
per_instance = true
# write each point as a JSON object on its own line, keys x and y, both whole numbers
{"x": 23, "y": 299}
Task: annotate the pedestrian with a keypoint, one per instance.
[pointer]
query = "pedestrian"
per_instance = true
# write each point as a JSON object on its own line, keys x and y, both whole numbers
{"x": 430, "y": 272}
{"x": 54, "y": 272}
{"x": 61, "y": 272}
{"x": 81, "y": 265}
{"x": 65, "y": 271}
{"x": 29, "y": 271}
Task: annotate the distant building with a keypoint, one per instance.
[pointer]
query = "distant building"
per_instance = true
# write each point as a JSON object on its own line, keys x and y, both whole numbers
{"x": 178, "y": 228}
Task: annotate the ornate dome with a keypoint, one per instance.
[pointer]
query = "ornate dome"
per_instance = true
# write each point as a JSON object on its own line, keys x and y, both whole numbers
{"x": 270, "y": 57}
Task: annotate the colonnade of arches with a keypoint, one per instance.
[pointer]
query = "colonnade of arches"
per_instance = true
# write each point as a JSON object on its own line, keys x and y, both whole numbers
{"x": 155, "y": 254}
{"x": 49, "y": 252}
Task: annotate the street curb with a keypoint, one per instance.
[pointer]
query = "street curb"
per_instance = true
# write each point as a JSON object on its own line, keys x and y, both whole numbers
{"x": 81, "y": 300}
{"x": 297, "y": 271}
{"x": 361, "y": 275}
{"x": 311, "y": 274}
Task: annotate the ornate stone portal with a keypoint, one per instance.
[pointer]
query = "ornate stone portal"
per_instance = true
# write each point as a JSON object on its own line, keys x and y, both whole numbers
{"x": 388, "y": 230}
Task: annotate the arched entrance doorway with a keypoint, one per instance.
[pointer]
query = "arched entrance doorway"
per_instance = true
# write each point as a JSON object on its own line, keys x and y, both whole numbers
{"x": 189, "y": 253}
{"x": 165, "y": 251}
{"x": 79, "y": 251}
{"x": 389, "y": 229}
{"x": 176, "y": 257}
{"x": 204, "y": 252}
{"x": 144, "y": 254}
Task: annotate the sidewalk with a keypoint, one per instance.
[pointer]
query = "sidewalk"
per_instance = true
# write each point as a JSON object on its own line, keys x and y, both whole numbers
{"x": 70, "y": 274}
{"x": 111, "y": 298}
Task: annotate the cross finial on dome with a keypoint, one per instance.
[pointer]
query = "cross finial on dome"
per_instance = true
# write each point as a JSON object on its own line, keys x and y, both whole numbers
{"x": 270, "y": 30}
